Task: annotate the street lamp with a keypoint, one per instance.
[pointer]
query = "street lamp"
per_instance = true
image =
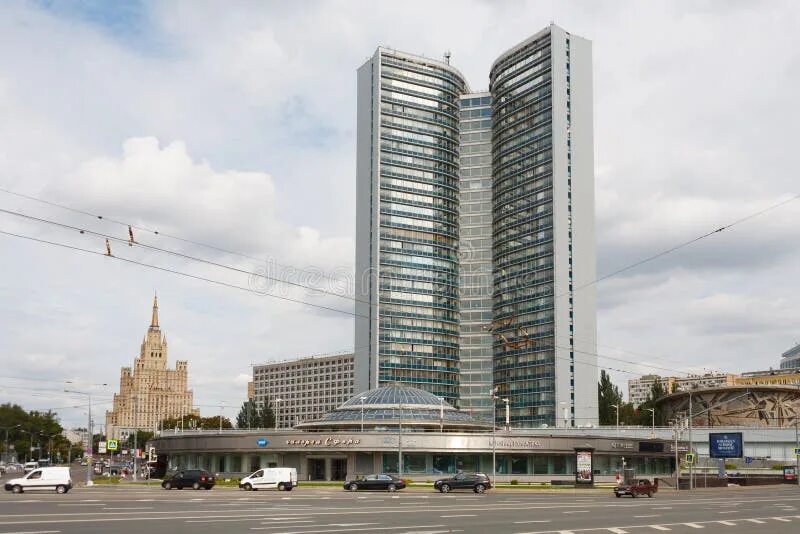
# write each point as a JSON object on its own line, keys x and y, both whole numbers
{"x": 362, "y": 413}
{"x": 90, "y": 441}
{"x": 494, "y": 441}
{"x": 400, "y": 443}
{"x": 653, "y": 432}
{"x": 7, "y": 428}
{"x": 441, "y": 414}
{"x": 616, "y": 407}
{"x": 277, "y": 423}
{"x": 508, "y": 416}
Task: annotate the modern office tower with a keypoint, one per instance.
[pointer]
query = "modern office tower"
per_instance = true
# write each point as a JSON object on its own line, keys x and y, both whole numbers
{"x": 475, "y": 252}
{"x": 407, "y": 224}
{"x": 544, "y": 242}
{"x": 419, "y": 231}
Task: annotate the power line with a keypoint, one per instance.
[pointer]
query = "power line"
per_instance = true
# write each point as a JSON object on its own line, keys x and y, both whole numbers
{"x": 180, "y": 273}
{"x": 158, "y": 232}
{"x": 133, "y": 242}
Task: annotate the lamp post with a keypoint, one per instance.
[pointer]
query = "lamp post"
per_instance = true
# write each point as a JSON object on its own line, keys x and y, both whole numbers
{"x": 796, "y": 451}
{"x": 508, "y": 415}
{"x": 362, "y": 399}
{"x": 494, "y": 444}
{"x": 277, "y": 402}
{"x": 653, "y": 431}
{"x": 441, "y": 414}
{"x": 616, "y": 407}
{"x": 221, "y": 408}
{"x": 400, "y": 444}
{"x": 90, "y": 441}
{"x": 5, "y": 450}
{"x": 691, "y": 445}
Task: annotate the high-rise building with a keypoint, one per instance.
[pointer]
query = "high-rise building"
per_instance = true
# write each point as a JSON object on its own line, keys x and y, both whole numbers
{"x": 150, "y": 392}
{"x": 303, "y": 389}
{"x": 791, "y": 358}
{"x": 407, "y": 223}
{"x": 475, "y": 245}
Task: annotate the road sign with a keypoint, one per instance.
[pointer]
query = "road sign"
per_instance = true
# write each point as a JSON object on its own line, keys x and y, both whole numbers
{"x": 690, "y": 458}
{"x": 748, "y": 459}
{"x": 797, "y": 451}
{"x": 101, "y": 447}
{"x": 113, "y": 444}
{"x": 262, "y": 442}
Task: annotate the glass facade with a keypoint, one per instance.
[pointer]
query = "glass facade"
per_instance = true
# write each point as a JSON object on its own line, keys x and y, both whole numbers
{"x": 475, "y": 276}
{"x": 418, "y": 199}
{"x": 523, "y": 237}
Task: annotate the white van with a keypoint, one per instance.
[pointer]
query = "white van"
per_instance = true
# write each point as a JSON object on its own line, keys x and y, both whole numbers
{"x": 280, "y": 478}
{"x": 30, "y": 466}
{"x": 52, "y": 478}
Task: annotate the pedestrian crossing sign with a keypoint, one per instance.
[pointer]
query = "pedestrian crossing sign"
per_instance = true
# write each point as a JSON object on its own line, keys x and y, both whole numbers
{"x": 113, "y": 444}
{"x": 797, "y": 451}
{"x": 689, "y": 458}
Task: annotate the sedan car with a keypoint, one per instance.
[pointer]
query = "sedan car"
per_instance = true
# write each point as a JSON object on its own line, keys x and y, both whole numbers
{"x": 477, "y": 482}
{"x": 191, "y": 478}
{"x": 375, "y": 482}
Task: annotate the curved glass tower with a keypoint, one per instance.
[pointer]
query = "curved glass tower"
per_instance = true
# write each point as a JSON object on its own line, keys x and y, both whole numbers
{"x": 543, "y": 235}
{"x": 407, "y": 223}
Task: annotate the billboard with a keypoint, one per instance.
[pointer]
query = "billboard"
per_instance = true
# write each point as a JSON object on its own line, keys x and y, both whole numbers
{"x": 583, "y": 467}
{"x": 725, "y": 445}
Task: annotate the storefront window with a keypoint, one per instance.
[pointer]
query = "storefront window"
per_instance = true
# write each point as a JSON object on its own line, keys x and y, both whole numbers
{"x": 468, "y": 463}
{"x": 390, "y": 463}
{"x": 236, "y": 463}
{"x": 560, "y": 465}
{"x": 541, "y": 465}
{"x": 414, "y": 463}
{"x": 444, "y": 463}
{"x": 255, "y": 463}
{"x": 519, "y": 465}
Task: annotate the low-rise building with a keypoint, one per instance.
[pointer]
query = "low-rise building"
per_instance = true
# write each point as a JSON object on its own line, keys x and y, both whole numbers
{"x": 640, "y": 388}
{"x": 303, "y": 389}
{"x": 791, "y": 358}
{"x": 773, "y": 377}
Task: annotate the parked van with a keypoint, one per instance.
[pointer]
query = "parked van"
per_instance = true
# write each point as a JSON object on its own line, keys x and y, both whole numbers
{"x": 280, "y": 478}
{"x": 43, "y": 478}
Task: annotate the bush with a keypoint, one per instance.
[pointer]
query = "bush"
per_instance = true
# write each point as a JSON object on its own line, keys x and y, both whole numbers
{"x": 515, "y": 482}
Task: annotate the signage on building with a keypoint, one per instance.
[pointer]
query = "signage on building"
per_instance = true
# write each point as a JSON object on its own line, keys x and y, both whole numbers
{"x": 325, "y": 442}
{"x": 520, "y": 443}
{"x": 262, "y": 442}
{"x": 621, "y": 445}
{"x": 725, "y": 445}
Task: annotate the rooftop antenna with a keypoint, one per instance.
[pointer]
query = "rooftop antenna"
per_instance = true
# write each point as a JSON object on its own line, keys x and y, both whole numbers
{"x": 447, "y": 56}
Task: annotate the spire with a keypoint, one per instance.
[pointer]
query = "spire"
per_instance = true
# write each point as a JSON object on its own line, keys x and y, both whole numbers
{"x": 154, "y": 321}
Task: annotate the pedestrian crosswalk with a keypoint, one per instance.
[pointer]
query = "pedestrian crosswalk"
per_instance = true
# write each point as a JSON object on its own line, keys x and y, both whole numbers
{"x": 683, "y": 527}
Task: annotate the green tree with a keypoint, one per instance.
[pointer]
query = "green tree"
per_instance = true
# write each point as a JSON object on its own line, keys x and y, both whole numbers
{"x": 608, "y": 395}
{"x": 192, "y": 422}
{"x": 253, "y": 416}
{"x": 141, "y": 437}
{"x": 643, "y": 416}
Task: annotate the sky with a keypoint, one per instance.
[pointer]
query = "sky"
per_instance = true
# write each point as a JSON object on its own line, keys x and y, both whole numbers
{"x": 232, "y": 124}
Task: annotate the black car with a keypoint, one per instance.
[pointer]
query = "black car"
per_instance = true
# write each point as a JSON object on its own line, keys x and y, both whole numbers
{"x": 375, "y": 482}
{"x": 477, "y": 482}
{"x": 190, "y": 478}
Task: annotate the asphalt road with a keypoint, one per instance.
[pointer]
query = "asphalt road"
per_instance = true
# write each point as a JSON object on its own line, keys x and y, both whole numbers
{"x": 310, "y": 510}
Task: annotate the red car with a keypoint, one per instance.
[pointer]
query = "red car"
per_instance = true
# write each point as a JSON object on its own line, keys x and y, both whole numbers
{"x": 638, "y": 487}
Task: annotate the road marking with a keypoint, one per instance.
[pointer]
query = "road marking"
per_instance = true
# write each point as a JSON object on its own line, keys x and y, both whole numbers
{"x": 756, "y": 521}
{"x": 659, "y": 527}
{"x": 348, "y": 529}
{"x": 651, "y": 515}
{"x": 576, "y": 512}
{"x": 729, "y": 512}
{"x": 662, "y": 507}
{"x": 131, "y": 508}
{"x": 694, "y": 525}
{"x": 34, "y": 532}
{"x": 459, "y": 515}
{"x": 782, "y": 519}
{"x": 727, "y": 523}
{"x": 533, "y": 521}
{"x": 614, "y": 530}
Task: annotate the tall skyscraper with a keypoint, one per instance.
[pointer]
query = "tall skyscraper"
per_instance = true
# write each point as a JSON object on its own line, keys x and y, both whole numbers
{"x": 479, "y": 289}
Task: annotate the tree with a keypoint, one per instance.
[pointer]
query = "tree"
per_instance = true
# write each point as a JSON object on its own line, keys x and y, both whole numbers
{"x": 142, "y": 437}
{"x": 608, "y": 395}
{"x": 251, "y": 416}
{"x": 192, "y": 422}
{"x": 644, "y": 417}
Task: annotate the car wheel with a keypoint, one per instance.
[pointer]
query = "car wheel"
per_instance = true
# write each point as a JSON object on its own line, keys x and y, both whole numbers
{"x": 353, "y": 487}
{"x": 61, "y": 489}
{"x": 248, "y": 487}
{"x": 167, "y": 485}
{"x": 445, "y": 488}
{"x": 633, "y": 495}
{"x": 649, "y": 495}
{"x": 179, "y": 487}
{"x": 618, "y": 495}
{"x": 281, "y": 487}
{"x": 196, "y": 486}
{"x": 480, "y": 488}
{"x": 391, "y": 488}
{"x": 289, "y": 488}
{"x": 16, "y": 489}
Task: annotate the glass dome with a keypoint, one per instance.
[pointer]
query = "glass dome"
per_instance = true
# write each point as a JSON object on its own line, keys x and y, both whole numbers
{"x": 390, "y": 407}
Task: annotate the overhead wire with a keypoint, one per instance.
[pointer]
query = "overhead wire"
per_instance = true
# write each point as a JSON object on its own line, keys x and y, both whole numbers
{"x": 179, "y": 273}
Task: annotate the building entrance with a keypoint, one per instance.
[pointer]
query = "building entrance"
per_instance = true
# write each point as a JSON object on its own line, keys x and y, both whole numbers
{"x": 338, "y": 468}
{"x": 316, "y": 468}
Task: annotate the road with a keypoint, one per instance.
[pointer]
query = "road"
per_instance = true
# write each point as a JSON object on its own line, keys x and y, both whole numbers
{"x": 310, "y": 510}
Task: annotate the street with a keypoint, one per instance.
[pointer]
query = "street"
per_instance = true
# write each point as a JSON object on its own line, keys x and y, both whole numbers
{"x": 310, "y": 510}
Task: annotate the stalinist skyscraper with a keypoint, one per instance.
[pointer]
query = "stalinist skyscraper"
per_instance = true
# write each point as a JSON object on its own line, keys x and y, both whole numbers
{"x": 150, "y": 392}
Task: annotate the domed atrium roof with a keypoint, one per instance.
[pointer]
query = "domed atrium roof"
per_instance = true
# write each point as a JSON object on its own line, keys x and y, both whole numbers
{"x": 388, "y": 407}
